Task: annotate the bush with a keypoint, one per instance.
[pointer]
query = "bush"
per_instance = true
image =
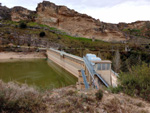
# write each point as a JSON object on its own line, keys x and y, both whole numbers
{"x": 147, "y": 47}
{"x": 137, "y": 81}
{"x": 42, "y": 34}
{"x": 15, "y": 98}
{"x": 23, "y": 25}
{"x": 99, "y": 94}
{"x": 115, "y": 89}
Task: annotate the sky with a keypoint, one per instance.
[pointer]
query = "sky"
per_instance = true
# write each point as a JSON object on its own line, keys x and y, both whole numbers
{"x": 112, "y": 11}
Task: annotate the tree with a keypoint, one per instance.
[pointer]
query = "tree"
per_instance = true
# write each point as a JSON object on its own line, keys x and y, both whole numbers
{"x": 29, "y": 42}
{"x": 23, "y": 25}
{"x": 42, "y": 34}
{"x": 137, "y": 81}
{"x": 117, "y": 61}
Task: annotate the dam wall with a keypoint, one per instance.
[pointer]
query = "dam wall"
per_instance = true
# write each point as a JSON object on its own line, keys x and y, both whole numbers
{"x": 89, "y": 75}
{"x": 69, "y": 62}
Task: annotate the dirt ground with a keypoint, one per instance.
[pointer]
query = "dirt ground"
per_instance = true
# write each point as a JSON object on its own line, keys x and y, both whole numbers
{"x": 20, "y": 55}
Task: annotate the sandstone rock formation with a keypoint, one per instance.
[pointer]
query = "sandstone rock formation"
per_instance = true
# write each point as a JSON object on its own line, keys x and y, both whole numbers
{"x": 138, "y": 28}
{"x": 16, "y": 14}
{"x": 20, "y": 13}
{"x": 5, "y": 13}
{"x": 76, "y": 24}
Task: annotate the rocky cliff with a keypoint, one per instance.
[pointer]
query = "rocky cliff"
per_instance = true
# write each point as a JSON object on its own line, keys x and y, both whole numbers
{"x": 76, "y": 24}
{"x": 20, "y": 13}
{"x": 16, "y": 14}
{"x": 136, "y": 29}
{"x": 5, "y": 13}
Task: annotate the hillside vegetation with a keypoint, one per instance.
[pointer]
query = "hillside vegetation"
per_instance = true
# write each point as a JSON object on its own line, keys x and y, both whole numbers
{"x": 16, "y": 98}
{"x": 136, "y": 82}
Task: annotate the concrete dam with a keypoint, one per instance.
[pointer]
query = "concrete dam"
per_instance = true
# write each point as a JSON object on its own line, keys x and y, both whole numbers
{"x": 91, "y": 71}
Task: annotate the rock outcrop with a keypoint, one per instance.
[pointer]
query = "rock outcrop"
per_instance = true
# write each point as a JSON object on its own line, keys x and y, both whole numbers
{"x": 5, "y": 13}
{"x": 76, "y": 24}
{"x": 138, "y": 28}
{"x": 20, "y": 13}
{"x": 16, "y": 14}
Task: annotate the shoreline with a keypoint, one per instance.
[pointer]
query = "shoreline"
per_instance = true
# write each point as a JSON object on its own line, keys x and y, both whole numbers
{"x": 4, "y": 56}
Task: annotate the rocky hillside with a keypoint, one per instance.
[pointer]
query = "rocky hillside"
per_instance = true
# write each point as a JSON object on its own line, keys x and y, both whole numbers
{"x": 20, "y": 13}
{"x": 76, "y": 24}
{"x": 70, "y": 21}
{"x": 5, "y": 13}
{"x": 23, "y": 99}
{"x": 136, "y": 29}
{"x": 69, "y": 100}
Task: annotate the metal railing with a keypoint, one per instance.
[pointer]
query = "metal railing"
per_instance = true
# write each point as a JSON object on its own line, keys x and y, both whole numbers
{"x": 84, "y": 79}
{"x": 115, "y": 73}
{"x": 90, "y": 69}
{"x": 104, "y": 82}
{"x": 93, "y": 72}
{"x": 67, "y": 54}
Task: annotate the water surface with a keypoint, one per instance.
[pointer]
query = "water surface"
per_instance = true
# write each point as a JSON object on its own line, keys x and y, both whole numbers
{"x": 41, "y": 73}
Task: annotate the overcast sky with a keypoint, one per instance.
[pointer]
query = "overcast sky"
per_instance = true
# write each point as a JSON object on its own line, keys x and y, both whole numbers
{"x": 112, "y": 11}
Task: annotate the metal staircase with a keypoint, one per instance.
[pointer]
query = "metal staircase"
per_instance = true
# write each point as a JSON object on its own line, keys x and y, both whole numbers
{"x": 90, "y": 70}
{"x": 93, "y": 73}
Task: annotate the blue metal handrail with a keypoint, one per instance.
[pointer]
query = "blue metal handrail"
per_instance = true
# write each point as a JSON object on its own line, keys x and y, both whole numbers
{"x": 115, "y": 73}
{"x": 84, "y": 79}
{"x": 90, "y": 69}
{"x": 104, "y": 82}
{"x": 93, "y": 72}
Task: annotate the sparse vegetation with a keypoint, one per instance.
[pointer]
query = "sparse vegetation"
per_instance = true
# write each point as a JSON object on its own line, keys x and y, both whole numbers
{"x": 23, "y": 25}
{"x": 99, "y": 94}
{"x": 15, "y": 98}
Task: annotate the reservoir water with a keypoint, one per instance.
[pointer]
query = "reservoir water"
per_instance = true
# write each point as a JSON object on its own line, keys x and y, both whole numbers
{"x": 40, "y": 73}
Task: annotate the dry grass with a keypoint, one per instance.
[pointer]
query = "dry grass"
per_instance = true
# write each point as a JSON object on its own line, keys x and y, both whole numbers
{"x": 69, "y": 100}
{"x": 15, "y": 98}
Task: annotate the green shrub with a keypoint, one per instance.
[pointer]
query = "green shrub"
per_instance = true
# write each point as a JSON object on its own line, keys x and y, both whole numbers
{"x": 42, "y": 34}
{"x": 137, "y": 81}
{"x": 99, "y": 94}
{"x": 23, "y": 25}
{"x": 115, "y": 89}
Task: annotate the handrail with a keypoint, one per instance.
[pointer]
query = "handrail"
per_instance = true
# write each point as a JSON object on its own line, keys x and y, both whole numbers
{"x": 69, "y": 55}
{"x": 93, "y": 72}
{"x": 115, "y": 73}
{"x": 84, "y": 79}
{"x": 90, "y": 70}
{"x": 104, "y": 82}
